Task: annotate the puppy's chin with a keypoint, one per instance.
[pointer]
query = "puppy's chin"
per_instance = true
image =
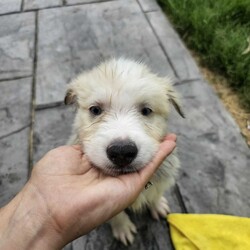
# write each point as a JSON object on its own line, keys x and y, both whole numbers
{"x": 113, "y": 170}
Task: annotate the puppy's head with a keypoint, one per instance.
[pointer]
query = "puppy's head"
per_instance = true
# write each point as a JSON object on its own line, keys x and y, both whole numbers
{"x": 122, "y": 111}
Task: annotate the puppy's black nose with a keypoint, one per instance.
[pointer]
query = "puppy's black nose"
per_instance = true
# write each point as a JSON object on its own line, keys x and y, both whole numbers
{"x": 122, "y": 152}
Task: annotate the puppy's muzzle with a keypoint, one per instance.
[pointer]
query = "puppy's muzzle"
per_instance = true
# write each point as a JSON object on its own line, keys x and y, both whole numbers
{"x": 122, "y": 152}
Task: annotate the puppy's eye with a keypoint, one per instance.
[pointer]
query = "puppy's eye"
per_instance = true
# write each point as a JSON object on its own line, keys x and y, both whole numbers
{"x": 146, "y": 111}
{"x": 95, "y": 110}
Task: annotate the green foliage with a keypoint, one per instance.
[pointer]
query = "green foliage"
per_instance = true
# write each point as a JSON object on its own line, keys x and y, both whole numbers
{"x": 218, "y": 30}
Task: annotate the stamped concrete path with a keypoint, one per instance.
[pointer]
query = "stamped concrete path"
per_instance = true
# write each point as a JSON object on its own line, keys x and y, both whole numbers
{"x": 44, "y": 44}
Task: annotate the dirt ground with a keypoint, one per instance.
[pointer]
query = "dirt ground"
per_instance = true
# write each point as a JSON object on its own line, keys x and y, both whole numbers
{"x": 228, "y": 97}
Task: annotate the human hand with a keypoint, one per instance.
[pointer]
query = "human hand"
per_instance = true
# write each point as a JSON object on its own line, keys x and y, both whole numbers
{"x": 67, "y": 197}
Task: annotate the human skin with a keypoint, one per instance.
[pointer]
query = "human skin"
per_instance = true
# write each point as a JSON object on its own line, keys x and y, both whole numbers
{"x": 66, "y": 197}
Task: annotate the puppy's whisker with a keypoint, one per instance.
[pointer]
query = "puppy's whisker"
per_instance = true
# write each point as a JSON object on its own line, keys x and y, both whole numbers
{"x": 116, "y": 116}
{"x": 148, "y": 126}
{"x": 170, "y": 163}
{"x": 135, "y": 169}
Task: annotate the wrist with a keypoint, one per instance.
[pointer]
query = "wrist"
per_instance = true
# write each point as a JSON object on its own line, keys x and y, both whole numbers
{"x": 25, "y": 223}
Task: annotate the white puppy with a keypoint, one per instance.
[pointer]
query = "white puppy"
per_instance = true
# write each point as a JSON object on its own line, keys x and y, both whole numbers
{"x": 121, "y": 119}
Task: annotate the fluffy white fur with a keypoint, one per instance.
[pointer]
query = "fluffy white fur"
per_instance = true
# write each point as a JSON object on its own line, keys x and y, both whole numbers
{"x": 121, "y": 89}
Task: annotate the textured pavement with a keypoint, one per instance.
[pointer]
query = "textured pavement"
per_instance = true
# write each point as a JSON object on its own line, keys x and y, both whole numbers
{"x": 44, "y": 44}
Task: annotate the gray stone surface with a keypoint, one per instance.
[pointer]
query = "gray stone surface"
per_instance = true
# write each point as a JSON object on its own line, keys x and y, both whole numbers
{"x": 215, "y": 158}
{"x": 15, "y": 105}
{"x": 13, "y": 164}
{"x": 38, "y": 4}
{"x": 149, "y": 5}
{"x": 7, "y": 6}
{"x": 179, "y": 56}
{"x": 52, "y": 129}
{"x": 68, "y": 247}
{"x": 16, "y": 45}
{"x": 85, "y": 1}
{"x": 75, "y": 38}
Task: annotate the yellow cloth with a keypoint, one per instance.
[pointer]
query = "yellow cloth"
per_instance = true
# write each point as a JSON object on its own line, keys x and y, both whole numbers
{"x": 209, "y": 232}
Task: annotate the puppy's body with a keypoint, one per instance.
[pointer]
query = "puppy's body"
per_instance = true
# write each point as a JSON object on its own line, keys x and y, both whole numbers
{"x": 120, "y": 121}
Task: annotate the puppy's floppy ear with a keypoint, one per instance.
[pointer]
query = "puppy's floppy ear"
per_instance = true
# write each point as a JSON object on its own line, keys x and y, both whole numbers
{"x": 173, "y": 98}
{"x": 70, "y": 97}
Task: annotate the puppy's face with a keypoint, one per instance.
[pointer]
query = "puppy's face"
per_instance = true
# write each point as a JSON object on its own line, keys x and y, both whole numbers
{"x": 122, "y": 110}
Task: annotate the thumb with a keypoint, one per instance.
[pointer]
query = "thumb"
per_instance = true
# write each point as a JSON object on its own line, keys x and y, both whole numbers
{"x": 165, "y": 149}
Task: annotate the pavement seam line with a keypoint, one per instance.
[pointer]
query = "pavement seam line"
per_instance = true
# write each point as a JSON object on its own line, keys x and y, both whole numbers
{"x": 33, "y": 100}
{"x": 14, "y": 78}
{"x": 158, "y": 39}
{"x": 180, "y": 198}
{"x": 53, "y": 7}
{"x": 22, "y": 6}
{"x": 49, "y": 105}
{"x": 15, "y": 131}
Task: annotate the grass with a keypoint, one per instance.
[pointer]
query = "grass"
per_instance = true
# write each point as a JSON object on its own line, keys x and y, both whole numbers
{"x": 219, "y": 30}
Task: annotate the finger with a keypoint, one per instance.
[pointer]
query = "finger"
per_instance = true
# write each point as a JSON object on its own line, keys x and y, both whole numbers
{"x": 165, "y": 149}
{"x": 77, "y": 147}
{"x": 171, "y": 137}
